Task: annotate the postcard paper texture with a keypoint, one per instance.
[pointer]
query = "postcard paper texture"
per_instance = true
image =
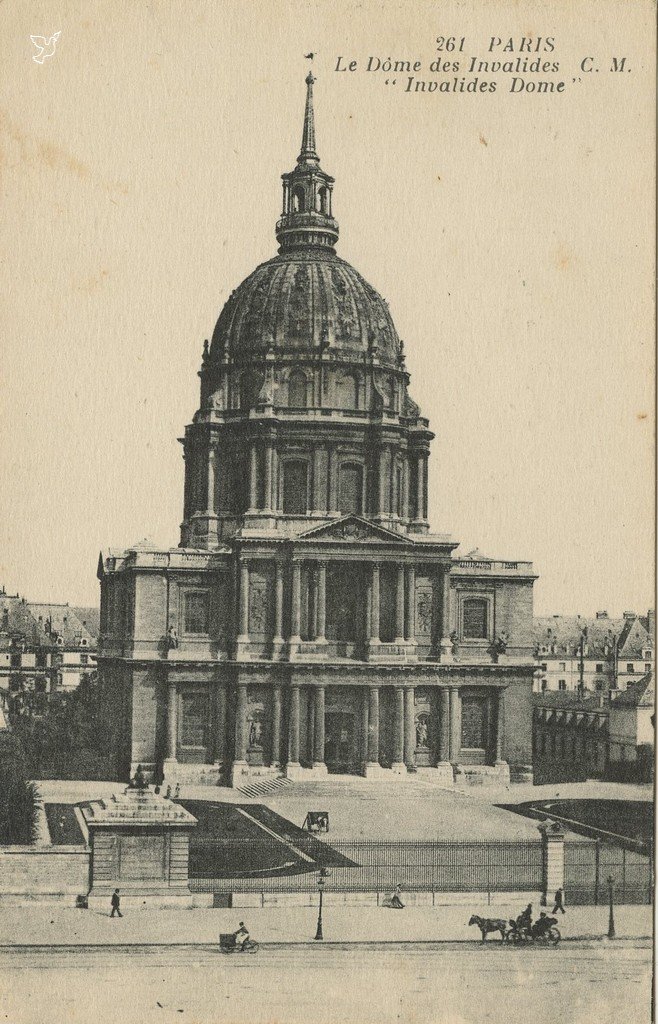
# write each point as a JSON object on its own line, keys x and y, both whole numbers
{"x": 327, "y": 535}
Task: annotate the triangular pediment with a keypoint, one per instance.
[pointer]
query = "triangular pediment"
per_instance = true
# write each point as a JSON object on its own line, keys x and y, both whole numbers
{"x": 354, "y": 529}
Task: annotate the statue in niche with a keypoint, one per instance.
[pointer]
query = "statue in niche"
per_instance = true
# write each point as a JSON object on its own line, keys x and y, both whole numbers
{"x": 422, "y": 733}
{"x": 256, "y": 733}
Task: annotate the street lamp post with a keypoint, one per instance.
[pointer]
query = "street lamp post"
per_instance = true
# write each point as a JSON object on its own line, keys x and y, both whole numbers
{"x": 322, "y": 877}
{"x": 611, "y": 915}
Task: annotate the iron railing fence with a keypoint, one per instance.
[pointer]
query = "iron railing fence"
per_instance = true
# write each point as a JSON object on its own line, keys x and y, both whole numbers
{"x": 366, "y": 865}
{"x": 589, "y": 865}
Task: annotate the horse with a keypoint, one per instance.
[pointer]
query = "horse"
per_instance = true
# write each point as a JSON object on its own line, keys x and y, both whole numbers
{"x": 490, "y": 924}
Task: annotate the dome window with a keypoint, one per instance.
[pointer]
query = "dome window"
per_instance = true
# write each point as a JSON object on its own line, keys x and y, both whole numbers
{"x": 298, "y": 199}
{"x": 297, "y": 390}
{"x": 321, "y": 202}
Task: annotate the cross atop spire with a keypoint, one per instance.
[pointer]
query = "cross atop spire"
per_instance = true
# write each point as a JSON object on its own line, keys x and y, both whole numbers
{"x": 307, "y": 151}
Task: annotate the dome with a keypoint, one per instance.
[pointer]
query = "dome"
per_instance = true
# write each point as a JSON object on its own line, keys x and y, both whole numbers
{"x": 302, "y": 301}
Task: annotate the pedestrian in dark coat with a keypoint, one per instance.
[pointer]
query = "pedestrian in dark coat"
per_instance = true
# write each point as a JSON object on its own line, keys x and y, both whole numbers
{"x": 116, "y": 904}
{"x": 559, "y": 902}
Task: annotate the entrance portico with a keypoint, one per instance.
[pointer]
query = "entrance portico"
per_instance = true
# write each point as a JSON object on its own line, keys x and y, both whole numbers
{"x": 375, "y": 727}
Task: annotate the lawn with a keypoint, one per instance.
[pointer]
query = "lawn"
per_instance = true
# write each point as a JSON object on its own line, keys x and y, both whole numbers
{"x": 631, "y": 820}
{"x": 63, "y": 825}
{"x": 230, "y": 842}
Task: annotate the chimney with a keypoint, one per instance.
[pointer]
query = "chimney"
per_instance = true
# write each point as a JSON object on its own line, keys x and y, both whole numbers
{"x": 629, "y": 616}
{"x": 602, "y": 615}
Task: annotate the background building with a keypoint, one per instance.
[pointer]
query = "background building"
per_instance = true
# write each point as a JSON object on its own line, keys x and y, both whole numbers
{"x": 600, "y": 654}
{"x": 583, "y": 735}
{"x": 309, "y": 622}
{"x": 45, "y": 647}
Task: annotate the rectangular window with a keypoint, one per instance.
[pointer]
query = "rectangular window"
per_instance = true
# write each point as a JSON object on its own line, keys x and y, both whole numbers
{"x": 475, "y": 619}
{"x": 15, "y": 661}
{"x": 563, "y": 666}
{"x": 647, "y": 667}
{"x": 562, "y": 684}
{"x": 193, "y": 728}
{"x": 544, "y": 666}
{"x": 599, "y": 668}
{"x": 630, "y": 669}
{"x": 196, "y": 612}
{"x": 84, "y": 659}
{"x": 41, "y": 659}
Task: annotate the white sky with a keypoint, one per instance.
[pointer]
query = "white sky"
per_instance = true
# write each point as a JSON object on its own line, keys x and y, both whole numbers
{"x": 511, "y": 235}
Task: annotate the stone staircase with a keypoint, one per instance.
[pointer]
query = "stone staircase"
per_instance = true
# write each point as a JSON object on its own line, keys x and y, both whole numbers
{"x": 265, "y": 788}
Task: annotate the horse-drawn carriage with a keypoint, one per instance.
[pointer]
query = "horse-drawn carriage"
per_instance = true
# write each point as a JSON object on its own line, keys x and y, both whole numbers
{"x": 543, "y": 931}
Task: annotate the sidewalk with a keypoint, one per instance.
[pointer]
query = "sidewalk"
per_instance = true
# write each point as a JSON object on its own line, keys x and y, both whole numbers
{"x": 64, "y": 926}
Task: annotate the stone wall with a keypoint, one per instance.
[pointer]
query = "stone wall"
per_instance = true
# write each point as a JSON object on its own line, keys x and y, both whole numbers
{"x": 42, "y": 872}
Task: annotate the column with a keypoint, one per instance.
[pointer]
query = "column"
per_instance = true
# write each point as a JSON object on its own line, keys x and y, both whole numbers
{"x": 446, "y": 642}
{"x": 455, "y": 724}
{"x": 332, "y": 481}
{"x": 275, "y": 480}
{"x": 399, "y": 606}
{"x": 364, "y": 726}
{"x": 296, "y": 609}
{"x": 268, "y": 477}
{"x": 321, "y": 618}
{"x": 444, "y": 726}
{"x": 405, "y": 488}
{"x": 210, "y": 494}
{"x": 398, "y": 731}
{"x": 313, "y": 603}
{"x": 500, "y": 727}
{"x": 383, "y": 480}
{"x": 220, "y": 723}
{"x": 409, "y": 728}
{"x": 420, "y": 487}
{"x": 275, "y": 751}
{"x": 244, "y": 602}
{"x": 373, "y": 725}
{"x": 411, "y": 605}
{"x": 241, "y": 722}
{"x": 425, "y": 482}
{"x": 278, "y": 602}
{"x": 293, "y": 737}
{"x": 319, "y": 491}
{"x": 318, "y": 728}
{"x": 253, "y": 479}
{"x": 172, "y": 719}
{"x": 374, "y": 604}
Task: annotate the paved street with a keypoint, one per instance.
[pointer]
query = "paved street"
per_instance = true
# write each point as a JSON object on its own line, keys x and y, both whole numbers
{"x": 461, "y": 984}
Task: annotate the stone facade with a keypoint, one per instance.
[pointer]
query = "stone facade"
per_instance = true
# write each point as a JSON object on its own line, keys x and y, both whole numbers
{"x": 309, "y": 622}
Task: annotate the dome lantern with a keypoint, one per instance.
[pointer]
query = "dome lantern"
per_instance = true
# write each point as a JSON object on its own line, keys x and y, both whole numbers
{"x": 307, "y": 219}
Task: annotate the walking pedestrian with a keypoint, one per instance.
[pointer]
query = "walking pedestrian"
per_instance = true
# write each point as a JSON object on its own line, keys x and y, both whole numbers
{"x": 559, "y": 902}
{"x": 116, "y": 904}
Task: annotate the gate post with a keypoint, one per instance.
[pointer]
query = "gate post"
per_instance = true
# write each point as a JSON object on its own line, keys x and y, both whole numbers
{"x": 552, "y": 835}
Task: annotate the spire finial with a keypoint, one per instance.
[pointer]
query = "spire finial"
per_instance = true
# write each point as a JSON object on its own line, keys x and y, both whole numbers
{"x": 308, "y": 136}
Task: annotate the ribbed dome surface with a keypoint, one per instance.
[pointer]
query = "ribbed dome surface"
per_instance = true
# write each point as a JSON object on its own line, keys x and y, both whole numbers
{"x": 303, "y": 300}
